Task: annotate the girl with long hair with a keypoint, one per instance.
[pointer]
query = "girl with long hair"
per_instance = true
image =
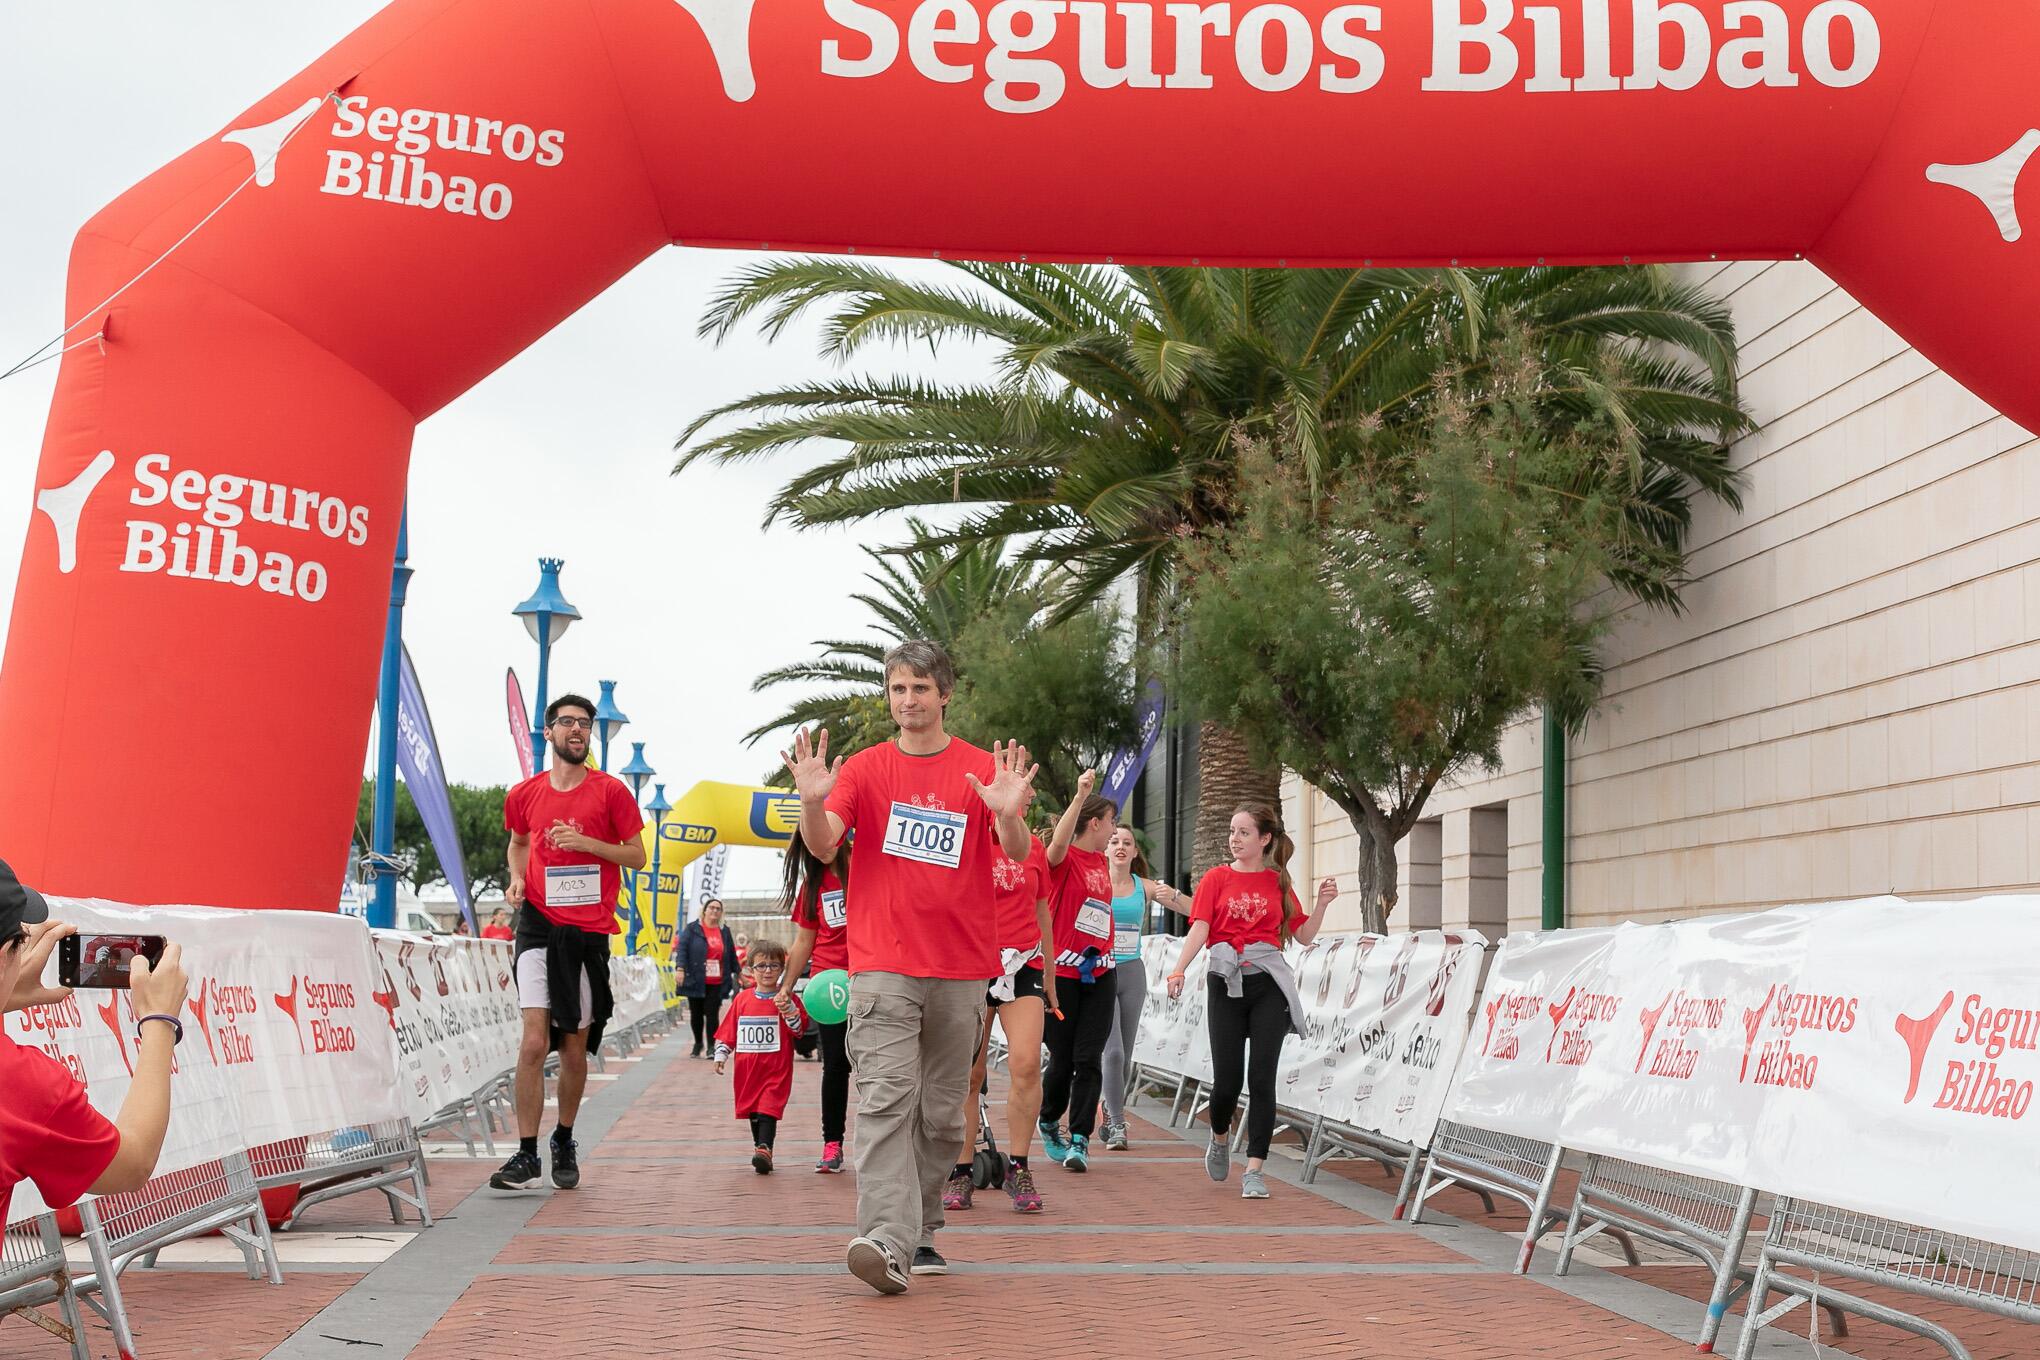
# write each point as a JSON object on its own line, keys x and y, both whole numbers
{"x": 1247, "y": 911}
{"x": 1080, "y": 906}
{"x": 816, "y": 896}
{"x": 1133, "y": 888}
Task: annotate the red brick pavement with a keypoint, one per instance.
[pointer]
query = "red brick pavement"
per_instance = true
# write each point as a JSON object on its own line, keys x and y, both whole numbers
{"x": 671, "y": 1228}
{"x": 188, "y": 1315}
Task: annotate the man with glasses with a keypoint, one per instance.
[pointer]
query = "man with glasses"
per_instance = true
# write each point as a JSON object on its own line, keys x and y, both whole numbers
{"x": 573, "y": 831}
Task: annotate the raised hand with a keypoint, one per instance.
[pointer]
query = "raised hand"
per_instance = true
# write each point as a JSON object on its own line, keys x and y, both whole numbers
{"x": 1012, "y": 786}
{"x": 814, "y": 778}
{"x": 1327, "y": 893}
{"x": 1086, "y": 781}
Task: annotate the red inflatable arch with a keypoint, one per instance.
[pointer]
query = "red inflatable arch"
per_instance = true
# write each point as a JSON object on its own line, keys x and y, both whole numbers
{"x": 222, "y": 476}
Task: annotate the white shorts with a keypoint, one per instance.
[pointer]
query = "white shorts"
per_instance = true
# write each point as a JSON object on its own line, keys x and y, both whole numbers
{"x": 535, "y": 994}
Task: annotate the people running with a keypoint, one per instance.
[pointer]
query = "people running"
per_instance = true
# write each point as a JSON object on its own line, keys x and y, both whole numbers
{"x": 1080, "y": 901}
{"x": 1247, "y": 911}
{"x": 759, "y": 1028}
{"x": 921, "y": 810}
{"x": 1133, "y": 886}
{"x": 814, "y": 896}
{"x": 705, "y": 958}
{"x": 572, "y": 833}
{"x": 1019, "y": 1000}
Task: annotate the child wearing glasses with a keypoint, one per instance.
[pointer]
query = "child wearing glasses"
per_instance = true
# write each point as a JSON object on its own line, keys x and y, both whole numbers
{"x": 758, "y": 1030}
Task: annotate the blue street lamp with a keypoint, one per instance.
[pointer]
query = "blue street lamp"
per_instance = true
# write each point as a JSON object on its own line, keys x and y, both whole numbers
{"x": 637, "y": 773}
{"x": 658, "y": 807}
{"x": 546, "y": 615}
{"x": 609, "y": 719}
{"x": 382, "y": 911}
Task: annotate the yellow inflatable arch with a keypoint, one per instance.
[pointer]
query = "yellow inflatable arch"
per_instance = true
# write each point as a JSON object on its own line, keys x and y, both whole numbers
{"x": 707, "y": 815}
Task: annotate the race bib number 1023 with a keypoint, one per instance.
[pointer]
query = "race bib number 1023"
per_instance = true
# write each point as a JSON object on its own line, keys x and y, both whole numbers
{"x": 926, "y": 835}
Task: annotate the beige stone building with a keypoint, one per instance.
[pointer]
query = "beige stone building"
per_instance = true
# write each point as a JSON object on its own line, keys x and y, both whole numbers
{"x": 1849, "y": 705}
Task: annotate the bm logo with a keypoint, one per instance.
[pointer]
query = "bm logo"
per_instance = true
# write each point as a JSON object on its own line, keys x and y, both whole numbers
{"x": 689, "y": 833}
{"x": 775, "y": 816}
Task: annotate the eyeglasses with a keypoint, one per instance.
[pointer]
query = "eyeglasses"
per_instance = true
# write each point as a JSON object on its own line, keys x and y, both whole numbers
{"x": 585, "y": 724}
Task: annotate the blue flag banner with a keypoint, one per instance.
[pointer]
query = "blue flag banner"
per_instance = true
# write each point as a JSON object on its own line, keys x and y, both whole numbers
{"x": 1122, "y": 772}
{"x": 418, "y": 762}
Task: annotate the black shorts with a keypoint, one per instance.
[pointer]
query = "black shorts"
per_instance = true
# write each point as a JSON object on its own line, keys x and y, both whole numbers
{"x": 1027, "y": 982}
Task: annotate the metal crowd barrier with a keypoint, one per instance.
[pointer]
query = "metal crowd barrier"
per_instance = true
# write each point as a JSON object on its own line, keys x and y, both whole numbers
{"x": 1707, "y": 1219}
{"x": 34, "y": 1275}
{"x": 219, "y": 1196}
{"x": 1933, "y": 1265}
{"x": 1488, "y": 1163}
{"x": 1329, "y": 1138}
{"x": 380, "y": 1156}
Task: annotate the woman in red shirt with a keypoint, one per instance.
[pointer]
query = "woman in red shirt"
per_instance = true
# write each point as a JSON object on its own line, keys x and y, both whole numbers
{"x": 815, "y": 896}
{"x": 1248, "y": 912}
{"x": 1080, "y": 902}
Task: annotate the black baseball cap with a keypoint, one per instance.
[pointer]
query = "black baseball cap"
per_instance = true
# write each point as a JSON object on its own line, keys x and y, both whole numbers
{"x": 20, "y": 905}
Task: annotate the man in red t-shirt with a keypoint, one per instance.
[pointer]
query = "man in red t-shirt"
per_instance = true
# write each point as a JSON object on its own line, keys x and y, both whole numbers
{"x": 573, "y": 831}
{"x": 923, "y": 945}
{"x": 49, "y": 1132}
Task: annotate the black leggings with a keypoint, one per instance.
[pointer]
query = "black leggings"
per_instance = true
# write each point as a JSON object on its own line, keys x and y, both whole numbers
{"x": 835, "y": 1080}
{"x": 1261, "y": 1014}
{"x": 704, "y": 1013}
{"x": 1076, "y": 1050}
{"x": 763, "y": 1127}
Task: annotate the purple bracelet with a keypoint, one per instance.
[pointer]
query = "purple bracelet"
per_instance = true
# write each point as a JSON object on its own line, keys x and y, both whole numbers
{"x": 176, "y": 1027}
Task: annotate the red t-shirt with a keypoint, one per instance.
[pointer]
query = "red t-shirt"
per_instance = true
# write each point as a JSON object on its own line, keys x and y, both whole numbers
{"x": 1016, "y": 888}
{"x": 1080, "y": 904}
{"x": 496, "y": 932}
{"x": 761, "y": 1048}
{"x": 1240, "y": 908}
{"x": 922, "y": 859}
{"x": 599, "y": 806}
{"x": 712, "y": 967}
{"x": 49, "y": 1132}
{"x": 826, "y": 919}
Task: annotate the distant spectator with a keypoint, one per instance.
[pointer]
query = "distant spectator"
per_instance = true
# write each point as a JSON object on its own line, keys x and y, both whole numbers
{"x": 49, "y": 1132}
{"x": 705, "y": 957}
{"x": 499, "y": 926}
{"x": 461, "y": 927}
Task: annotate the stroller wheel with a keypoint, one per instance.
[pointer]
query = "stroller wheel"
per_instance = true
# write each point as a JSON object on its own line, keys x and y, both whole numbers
{"x": 988, "y": 1169}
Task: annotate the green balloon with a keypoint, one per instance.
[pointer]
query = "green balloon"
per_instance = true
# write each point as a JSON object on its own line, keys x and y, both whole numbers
{"x": 827, "y": 997}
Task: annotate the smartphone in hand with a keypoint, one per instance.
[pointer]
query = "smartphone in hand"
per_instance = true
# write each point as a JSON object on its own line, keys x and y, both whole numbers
{"x": 104, "y": 961}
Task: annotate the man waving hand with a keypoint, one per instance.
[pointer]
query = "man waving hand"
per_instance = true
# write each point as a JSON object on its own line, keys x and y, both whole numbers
{"x": 922, "y": 813}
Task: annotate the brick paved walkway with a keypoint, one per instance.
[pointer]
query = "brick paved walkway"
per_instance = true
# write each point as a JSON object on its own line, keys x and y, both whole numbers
{"x": 674, "y": 1244}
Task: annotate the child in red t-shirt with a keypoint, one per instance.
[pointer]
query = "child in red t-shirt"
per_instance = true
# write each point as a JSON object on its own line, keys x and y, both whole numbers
{"x": 759, "y": 1029}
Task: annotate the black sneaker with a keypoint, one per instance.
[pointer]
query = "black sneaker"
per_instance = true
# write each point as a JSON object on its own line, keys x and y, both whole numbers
{"x": 928, "y": 1261}
{"x": 566, "y": 1166}
{"x": 870, "y": 1262}
{"x": 521, "y": 1172}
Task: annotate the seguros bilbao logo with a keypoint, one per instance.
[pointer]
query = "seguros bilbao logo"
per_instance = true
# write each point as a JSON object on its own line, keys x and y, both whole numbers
{"x": 1972, "y": 1085}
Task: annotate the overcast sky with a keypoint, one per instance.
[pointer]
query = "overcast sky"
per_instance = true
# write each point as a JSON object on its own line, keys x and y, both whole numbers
{"x": 564, "y": 452}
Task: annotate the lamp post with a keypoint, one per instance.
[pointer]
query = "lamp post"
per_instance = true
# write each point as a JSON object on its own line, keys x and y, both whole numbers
{"x": 638, "y": 772}
{"x": 609, "y": 719}
{"x": 547, "y": 616}
{"x": 658, "y": 807}
{"x": 382, "y": 910}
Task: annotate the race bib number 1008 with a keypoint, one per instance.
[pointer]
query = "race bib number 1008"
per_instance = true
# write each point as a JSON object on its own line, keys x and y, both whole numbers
{"x": 926, "y": 835}
{"x": 758, "y": 1034}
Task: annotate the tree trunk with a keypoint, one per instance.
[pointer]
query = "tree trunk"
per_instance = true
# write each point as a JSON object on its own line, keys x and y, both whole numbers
{"x": 1227, "y": 780}
{"x": 1377, "y": 871}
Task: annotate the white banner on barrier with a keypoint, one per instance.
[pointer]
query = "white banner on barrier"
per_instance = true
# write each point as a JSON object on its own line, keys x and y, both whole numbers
{"x": 1879, "y": 1056}
{"x": 285, "y": 1035}
{"x": 1384, "y": 1020}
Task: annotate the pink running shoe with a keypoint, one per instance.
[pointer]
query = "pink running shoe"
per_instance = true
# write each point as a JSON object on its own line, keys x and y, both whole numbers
{"x": 1020, "y": 1185}
{"x": 956, "y": 1194}
{"x": 831, "y": 1163}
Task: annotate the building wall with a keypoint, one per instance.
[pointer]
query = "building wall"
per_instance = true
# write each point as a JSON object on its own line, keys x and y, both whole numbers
{"x": 1850, "y": 703}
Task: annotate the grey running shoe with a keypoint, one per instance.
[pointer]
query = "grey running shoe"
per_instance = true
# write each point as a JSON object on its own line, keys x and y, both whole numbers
{"x": 1115, "y": 1137}
{"x": 1218, "y": 1157}
{"x": 870, "y": 1262}
{"x": 1253, "y": 1185}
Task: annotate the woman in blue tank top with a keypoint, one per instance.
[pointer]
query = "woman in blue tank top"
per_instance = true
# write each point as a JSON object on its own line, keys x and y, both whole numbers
{"x": 1132, "y": 889}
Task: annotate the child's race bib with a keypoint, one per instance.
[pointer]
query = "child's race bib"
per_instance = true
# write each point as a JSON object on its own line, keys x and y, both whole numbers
{"x": 834, "y": 913}
{"x": 758, "y": 1033}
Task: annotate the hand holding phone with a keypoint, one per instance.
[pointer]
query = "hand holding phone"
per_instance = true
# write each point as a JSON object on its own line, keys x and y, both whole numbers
{"x": 162, "y": 989}
{"x": 105, "y": 961}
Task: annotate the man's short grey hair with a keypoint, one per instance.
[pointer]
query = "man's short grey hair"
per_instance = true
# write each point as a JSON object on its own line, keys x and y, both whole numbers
{"x": 925, "y": 659}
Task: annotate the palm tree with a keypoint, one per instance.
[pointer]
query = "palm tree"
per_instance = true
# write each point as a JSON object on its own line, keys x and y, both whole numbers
{"x": 1109, "y": 436}
{"x": 922, "y": 591}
